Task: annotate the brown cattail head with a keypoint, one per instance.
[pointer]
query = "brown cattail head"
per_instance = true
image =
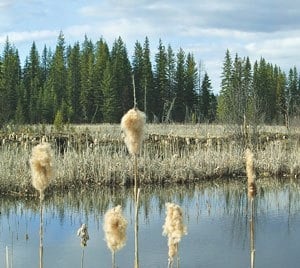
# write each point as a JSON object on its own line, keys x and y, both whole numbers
{"x": 132, "y": 124}
{"x": 115, "y": 228}
{"x": 174, "y": 228}
{"x": 250, "y": 172}
{"x": 41, "y": 167}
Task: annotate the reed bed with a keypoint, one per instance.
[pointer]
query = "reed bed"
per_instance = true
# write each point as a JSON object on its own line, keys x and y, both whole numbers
{"x": 171, "y": 154}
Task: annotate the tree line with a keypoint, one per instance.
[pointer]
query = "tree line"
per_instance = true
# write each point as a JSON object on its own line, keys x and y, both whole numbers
{"x": 261, "y": 93}
{"x": 91, "y": 83}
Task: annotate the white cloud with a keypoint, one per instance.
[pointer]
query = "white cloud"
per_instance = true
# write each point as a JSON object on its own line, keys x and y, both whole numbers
{"x": 28, "y": 36}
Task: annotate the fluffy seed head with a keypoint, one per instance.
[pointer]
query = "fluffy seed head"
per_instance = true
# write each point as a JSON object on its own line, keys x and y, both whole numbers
{"x": 41, "y": 167}
{"x": 132, "y": 124}
{"x": 174, "y": 228}
{"x": 115, "y": 229}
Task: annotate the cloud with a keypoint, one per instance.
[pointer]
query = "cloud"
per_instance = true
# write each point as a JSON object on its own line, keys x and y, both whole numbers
{"x": 28, "y": 36}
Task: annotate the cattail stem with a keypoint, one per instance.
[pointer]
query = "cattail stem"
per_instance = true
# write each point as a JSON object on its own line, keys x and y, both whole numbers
{"x": 136, "y": 184}
{"x": 7, "y": 259}
{"x": 113, "y": 259}
{"x": 82, "y": 257}
{"x": 136, "y": 231}
{"x": 252, "y": 249}
{"x": 177, "y": 250}
{"x": 41, "y": 232}
{"x": 134, "y": 94}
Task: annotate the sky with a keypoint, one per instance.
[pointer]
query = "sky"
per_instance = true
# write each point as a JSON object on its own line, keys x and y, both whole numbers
{"x": 254, "y": 28}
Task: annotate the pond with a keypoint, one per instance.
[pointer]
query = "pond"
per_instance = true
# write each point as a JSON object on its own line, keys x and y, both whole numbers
{"x": 217, "y": 215}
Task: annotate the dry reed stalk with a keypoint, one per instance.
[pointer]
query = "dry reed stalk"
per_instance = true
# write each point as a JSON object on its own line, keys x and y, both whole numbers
{"x": 250, "y": 172}
{"x": 174, "y": 228}
{"x": 115, "y": 229}
{"x": 41, "y": 167}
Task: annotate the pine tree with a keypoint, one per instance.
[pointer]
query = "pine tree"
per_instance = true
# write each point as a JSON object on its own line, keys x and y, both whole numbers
{"x": 87, "y": 91}
{"x": 111, "y": 101}
{"x": 224, "y": 101}
{"x": 102, "y": 56}
{"x": 190, "y": 91}
{"x": 57, "y": 80}
{"x": 180, "y": 110}
{"x": 147, "y": 83}
{"x": 10, "y": 84}
{"x": 122, "y": 78}
{"x": 137, "y": 67}
{"x": 33, "y": 86}
{"x": 160, "y": 94}
{"x": 74, "y": 84}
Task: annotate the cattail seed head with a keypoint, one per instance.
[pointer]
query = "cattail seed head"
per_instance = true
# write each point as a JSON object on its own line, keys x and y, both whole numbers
{"x": 115, "y": 228}
{"x": 132, "y": 124}
{"x": 83, "y": 234}
{"x": 174, "y": 228}
{"x": 41, "y": 167}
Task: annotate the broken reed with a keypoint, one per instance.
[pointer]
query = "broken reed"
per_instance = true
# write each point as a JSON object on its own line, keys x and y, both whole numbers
{"x": 102, "y": 159}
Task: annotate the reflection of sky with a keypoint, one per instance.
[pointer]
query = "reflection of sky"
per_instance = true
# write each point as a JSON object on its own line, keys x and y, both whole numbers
{"x": 218, "y": 231}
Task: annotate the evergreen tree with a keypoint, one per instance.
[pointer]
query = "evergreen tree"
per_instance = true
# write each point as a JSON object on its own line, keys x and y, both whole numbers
{"x": 57, "y": 80}
{"x": 111, "y": 100}
{"x": 160, "y": 94}
{"x": 101, "y": 58}
{"x": 180, "y": 106}
{"x": 74, "y": 84}
{"x": 122, "y": 78}
{"x": 87, "y": 91}
{"x": 224, "y": 102}
{"x": 33, "y": 86}
{"x": 190, "y": 91}
{"x": 137, "y": 67}
{"x": 147, "y": 83}
{"x": 207, "y": 100}
{"x": 10, "y": 82}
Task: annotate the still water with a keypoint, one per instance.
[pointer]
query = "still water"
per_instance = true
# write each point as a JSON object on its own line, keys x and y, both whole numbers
{"x": 217, "y": 216}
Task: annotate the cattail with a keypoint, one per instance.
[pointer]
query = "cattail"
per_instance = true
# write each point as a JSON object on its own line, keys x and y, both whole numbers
{"x": 132, "y": 124}
{"x": 115, "y": 229}
{"x": 250, "y": 172}
{"x": 174, "y": 228}
{"x": 41, "y": 167}
{"x": 83, "y": 234}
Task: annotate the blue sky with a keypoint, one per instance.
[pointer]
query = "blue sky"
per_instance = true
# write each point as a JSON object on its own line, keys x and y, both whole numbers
{"x": 254, "y": 28}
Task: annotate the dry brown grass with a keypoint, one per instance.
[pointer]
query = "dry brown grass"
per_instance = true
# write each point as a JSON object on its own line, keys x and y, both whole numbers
{"x": 168, "y": 155}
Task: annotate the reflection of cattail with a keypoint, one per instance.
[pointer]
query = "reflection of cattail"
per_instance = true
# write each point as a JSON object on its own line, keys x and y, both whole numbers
{"x": 132, "y": 124}
{"x": 250, "y": 172}
{"x": 115, "y": 229}
{"x": 83, "y": 234}
{"x": 174, "y": 228}
{"x": 41, "y": 167}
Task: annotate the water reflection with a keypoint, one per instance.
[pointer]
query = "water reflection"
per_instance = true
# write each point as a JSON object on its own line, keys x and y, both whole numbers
{"x": 215, "y": 214}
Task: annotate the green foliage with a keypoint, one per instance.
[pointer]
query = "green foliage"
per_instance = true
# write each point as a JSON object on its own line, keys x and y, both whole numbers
{"x": 58, "y": 121}
{"x": 90, "y": 83}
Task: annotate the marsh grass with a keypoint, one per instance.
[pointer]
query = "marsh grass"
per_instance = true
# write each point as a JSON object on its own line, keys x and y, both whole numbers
{"x": 171, "y": 154}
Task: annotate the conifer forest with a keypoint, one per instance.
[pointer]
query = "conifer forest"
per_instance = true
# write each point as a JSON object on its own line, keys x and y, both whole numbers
{"x": 92, "y": 83}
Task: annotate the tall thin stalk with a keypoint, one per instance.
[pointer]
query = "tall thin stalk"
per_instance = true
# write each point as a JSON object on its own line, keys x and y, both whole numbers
{"x": 41, "y": 234}
{"x": 252, "y": 238}
{"x": 136, "y": 230}
{"x": 113, "y": 259}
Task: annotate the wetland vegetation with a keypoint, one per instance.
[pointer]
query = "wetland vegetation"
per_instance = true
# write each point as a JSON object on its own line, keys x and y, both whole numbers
{"x": 95, "y": 155}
